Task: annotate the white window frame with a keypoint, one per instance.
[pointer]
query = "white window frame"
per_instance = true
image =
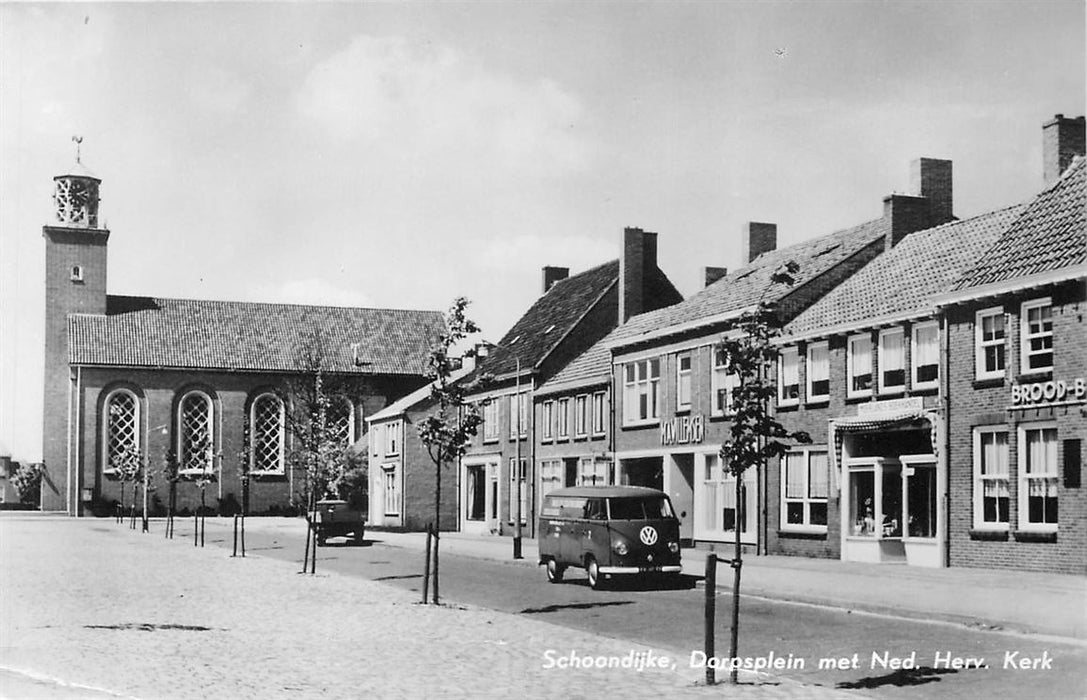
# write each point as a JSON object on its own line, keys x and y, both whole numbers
{"x": 599, "y": 414}
{"x": 981, "y": 344}
{"x": 721, "y": 381}
{"x": 547, "y": 421}
{"x": 915, "y": 355}
{"x": 1024, "y": 477}
{"x": 562, "y": 430}
{"x": 683, "y": 380}
{"x": 182, "y": 456}
{"x": 518, "y": 420}
{"x": 788, "y": 371}
{"x": 592, "y": 471}
{"x": 981, "y": 477}
{"x": 490, "y": 420}
{"x": 884, "y": 352}
{"x": 392, "y": 443}
{"x": 639, "y": 381}
{"x": 805, "y": 455}
{"x": 811, "y": 377}
{"x": 137, "y": 426}
{"x": 1025, "y": 336}
{"x": 851, "y": 368}
{"x": 282, "y": 438}
{"x": 391, "y": 497}
{"x": 581, "y": 415}
{"x": 552, "y": 472}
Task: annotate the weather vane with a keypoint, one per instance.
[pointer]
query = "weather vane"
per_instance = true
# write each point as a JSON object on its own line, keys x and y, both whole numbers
{"x": 78, "y": 140}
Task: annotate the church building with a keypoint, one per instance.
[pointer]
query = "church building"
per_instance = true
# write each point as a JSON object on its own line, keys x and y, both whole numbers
{"x": 200, "y": 382}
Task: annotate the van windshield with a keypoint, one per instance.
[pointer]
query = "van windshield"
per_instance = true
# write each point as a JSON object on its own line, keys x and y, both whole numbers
{"x": 640, "y": 508}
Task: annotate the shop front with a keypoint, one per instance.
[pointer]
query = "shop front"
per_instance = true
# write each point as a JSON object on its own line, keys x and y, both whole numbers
{"x": 893, "y": 485}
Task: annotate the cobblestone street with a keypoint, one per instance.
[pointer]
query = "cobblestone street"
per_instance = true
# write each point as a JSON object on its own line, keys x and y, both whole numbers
{"x": 110, "y": 612}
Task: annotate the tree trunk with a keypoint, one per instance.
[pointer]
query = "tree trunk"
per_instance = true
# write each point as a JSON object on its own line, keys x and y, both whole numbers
{"x": 737, "y": 563}
{"x": 437, "y": 520}
{"x": 309, "y": 533}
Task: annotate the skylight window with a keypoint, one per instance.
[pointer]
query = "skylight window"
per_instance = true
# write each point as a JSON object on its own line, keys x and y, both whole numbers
{"x": 549, "y": 329}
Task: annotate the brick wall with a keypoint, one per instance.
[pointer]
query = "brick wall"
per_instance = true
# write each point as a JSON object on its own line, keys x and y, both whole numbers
{"x": 160, "y": 390}
{"x": 65, "y": 248}
{"x": 974, "y": 403}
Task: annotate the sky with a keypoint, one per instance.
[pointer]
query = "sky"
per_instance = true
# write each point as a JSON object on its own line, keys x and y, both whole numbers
{"x": 403, "y": 154}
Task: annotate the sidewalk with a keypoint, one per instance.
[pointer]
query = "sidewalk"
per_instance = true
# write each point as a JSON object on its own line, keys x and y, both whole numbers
{"x": 1027, "y": 602}
{"x": 90, "y": 609}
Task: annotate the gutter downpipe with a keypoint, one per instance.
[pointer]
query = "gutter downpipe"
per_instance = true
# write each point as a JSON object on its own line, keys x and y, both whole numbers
{"x": 68, "y": 456}
{"x": 74, "y": 498}
{"x": 945, "y": 457}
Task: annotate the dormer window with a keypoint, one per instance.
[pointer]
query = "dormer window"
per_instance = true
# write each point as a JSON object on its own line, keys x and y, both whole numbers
{"x": 77, "y": 273}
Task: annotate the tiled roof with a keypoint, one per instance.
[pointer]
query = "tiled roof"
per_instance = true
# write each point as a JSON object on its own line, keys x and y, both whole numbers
{"x": 734, "y": 292}
{"x": 907, "y": 277}
{"x": 750, "y": 284}
{"x": 224, "y": 335}
{"x": 1049, "y": 235}
{"x": 415, "y": 398}
{"x": 549, "y": 319}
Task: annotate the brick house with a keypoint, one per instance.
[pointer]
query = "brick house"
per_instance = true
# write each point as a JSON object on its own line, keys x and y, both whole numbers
{"x": 401, "y": 484}
{"x": 861, "y": 372}
{"x": 672, "y": 394}
{"x": 127, "y": 373}
{"x": 571, "y": 315}
{"x": 1017, "y": 372}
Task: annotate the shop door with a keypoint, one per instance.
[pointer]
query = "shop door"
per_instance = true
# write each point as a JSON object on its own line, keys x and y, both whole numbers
{"x": 924, "y": 531}
{"x": 717, "y": 510}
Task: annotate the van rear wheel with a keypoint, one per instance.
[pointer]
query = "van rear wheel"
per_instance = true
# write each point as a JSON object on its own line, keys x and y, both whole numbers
{"x": 555, "y": 571}
{"x": 596, "y": 579}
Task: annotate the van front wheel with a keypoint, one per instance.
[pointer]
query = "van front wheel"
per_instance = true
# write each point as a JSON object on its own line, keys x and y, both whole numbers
{"x": 555, "y": 571}
{"x": 596, "y": 580}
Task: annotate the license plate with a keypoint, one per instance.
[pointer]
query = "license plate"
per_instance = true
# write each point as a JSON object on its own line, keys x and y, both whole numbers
{"x": 648, "y": 569}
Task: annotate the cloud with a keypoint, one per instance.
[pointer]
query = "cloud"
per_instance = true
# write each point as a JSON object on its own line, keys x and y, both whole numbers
{"x": 426, "y": 107}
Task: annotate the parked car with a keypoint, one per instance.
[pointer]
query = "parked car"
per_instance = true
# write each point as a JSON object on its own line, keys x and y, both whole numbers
{"x": 338, "y": 519}
{"x": 608, "y": 531}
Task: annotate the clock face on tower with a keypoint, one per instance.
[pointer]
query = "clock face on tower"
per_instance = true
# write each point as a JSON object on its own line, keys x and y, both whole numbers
{"x": 76, "y": 201}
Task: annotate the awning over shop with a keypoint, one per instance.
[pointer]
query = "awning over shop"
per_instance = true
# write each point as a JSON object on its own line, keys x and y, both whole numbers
{"x": 861, "y": 424}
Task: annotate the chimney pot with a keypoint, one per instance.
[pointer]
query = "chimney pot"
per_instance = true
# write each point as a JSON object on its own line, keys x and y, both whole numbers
{"x": 552, "y": 274}
{"x": 1062, "y": 140}
{"x": 761, "y": 238}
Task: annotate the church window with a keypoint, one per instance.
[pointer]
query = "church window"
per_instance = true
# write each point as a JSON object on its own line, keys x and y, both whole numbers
{"x": 195, "y": 432}
{"x": 122, "y": 410}
{"x": 341, "y": 421}
{"x": 266, "y": 433}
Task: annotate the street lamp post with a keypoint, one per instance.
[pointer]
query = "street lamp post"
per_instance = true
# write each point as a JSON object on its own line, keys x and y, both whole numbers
{"x": 517, "y": 462}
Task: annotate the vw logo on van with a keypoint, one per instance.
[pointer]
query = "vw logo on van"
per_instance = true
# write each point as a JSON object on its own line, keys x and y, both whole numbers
{"x": 648, "y": 535}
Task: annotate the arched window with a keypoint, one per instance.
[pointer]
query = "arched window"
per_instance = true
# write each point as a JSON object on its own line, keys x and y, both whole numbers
{"x": 195, "y": 436}
{"x": 341, "y": 421}
{"x": 266, "y": 434}
{"x": 122, "y": 427}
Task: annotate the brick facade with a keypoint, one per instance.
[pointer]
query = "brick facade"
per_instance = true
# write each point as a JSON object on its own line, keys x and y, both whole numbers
{"x": 989, "y": 403}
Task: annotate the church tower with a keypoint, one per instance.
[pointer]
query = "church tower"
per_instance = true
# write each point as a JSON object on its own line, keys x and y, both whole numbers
{"x": 75, "y": 282}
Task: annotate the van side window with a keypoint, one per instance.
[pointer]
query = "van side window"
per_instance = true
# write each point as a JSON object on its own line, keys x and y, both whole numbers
{"x": 595, "y": 509}
{"x": 641, "y": 508}
{"x": 563, "y": 507}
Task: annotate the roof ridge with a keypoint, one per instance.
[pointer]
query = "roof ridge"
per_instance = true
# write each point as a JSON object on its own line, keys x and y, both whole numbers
{"x": 583, "y": 272}
{"x": 239, "y": 302}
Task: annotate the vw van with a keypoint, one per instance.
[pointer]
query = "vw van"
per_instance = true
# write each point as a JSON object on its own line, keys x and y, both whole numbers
{"x": 608, "y": 531}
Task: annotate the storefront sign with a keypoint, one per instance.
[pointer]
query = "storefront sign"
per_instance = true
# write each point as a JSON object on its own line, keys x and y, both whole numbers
{"x": 682, "y": 430}
{"x": 878, "y": 408}
{"x": 1051, "y": 392}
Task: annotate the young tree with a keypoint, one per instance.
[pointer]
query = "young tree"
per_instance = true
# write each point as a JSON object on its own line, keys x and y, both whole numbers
{"x": 171, "y": 475}
{"x": 447, "y": 430}
{"x": 128, "y": 465}
{"x": 315, "y": 397}
{"x": 755, "y": 436}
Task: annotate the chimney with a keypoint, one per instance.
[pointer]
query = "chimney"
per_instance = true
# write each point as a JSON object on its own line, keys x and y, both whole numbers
{"x": 551, "y": 275}
{"x": 931, "y": 178}
{"x": 905, "y": 214}
{"x": 637, "y": 263}
{"x": 1062, "y": 140}
{"x": 929, "y": 203}
{"x": 712, "y": 274}
{"x": 761, "y": 238}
